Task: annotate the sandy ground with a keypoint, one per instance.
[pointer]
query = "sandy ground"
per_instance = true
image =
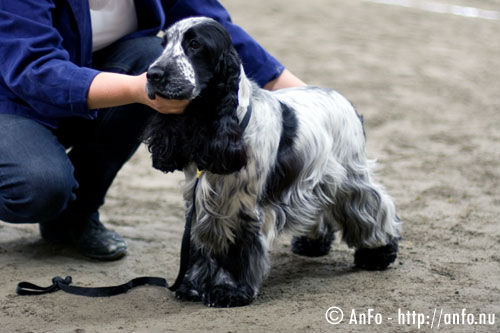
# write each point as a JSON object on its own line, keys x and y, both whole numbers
{"x": 428, "y": 87}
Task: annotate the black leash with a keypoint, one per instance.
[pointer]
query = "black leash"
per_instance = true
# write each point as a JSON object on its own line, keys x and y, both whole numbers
{"x": 58, "y": 283}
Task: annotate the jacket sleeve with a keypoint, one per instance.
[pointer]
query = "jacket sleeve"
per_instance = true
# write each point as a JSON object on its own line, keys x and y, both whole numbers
{"x": 35, "y": 66}
{"x": 258, "y": 63}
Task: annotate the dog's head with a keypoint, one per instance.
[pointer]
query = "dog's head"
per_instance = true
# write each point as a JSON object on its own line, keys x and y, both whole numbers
{"x": 198, "y": 63}
{"x": 196, "y": 50}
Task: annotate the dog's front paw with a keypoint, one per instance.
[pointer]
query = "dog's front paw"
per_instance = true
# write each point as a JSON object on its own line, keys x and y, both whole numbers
{"x": 225, "y": 296}
{"x": 186, "y": 292}
{"x": 376, "y": 258}
{"x": 309, "y": 247}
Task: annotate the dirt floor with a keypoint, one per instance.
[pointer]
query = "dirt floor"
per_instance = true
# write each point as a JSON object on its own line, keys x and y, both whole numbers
{"x": 428, "y": 86}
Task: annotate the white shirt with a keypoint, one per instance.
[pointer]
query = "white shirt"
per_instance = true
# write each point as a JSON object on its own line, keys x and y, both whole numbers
{"x": 111, "y": 20}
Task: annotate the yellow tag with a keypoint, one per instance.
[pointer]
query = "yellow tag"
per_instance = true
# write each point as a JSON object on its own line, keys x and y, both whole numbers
{"x": 198, "y": 173}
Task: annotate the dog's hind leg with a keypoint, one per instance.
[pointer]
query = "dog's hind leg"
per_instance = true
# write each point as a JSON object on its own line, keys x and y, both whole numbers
{"x": 368, "y": 220}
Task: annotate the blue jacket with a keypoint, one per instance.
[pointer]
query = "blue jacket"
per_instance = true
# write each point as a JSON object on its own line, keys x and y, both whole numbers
{"x": 46, "y": 52}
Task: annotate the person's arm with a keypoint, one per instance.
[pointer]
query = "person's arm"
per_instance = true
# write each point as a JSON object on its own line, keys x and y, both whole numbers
{"x": 112, "y": 89}
{"x": 285, "y": 80}
{"x": 35, "y": 68}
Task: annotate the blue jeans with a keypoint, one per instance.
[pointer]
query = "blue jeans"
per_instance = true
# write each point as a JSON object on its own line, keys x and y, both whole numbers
{"x": 39, "y": 181}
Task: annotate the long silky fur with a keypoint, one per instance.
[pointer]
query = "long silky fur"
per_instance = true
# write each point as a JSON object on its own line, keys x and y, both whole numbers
{"x": 299, "y": 165}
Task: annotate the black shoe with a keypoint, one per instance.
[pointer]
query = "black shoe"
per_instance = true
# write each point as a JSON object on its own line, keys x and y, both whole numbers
{"x": 90, "y": 237}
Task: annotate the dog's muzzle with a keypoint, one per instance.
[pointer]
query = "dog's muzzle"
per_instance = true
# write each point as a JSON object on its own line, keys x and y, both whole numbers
{"x": 168, "y": 84}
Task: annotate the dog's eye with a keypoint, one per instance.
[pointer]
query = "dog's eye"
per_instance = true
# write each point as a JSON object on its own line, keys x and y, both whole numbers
{"x": 194, "y": 45}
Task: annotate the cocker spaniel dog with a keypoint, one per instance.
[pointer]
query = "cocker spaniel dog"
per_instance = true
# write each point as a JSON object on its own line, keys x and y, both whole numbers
{"x": 288, "y": 160}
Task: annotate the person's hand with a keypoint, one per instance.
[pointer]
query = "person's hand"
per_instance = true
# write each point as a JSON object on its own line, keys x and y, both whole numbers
{"x": 113, "y": 89}
{"x": 160, "y": 104}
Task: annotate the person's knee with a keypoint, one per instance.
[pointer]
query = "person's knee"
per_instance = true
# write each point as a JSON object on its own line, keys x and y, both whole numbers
{"x": 37, "y": 196}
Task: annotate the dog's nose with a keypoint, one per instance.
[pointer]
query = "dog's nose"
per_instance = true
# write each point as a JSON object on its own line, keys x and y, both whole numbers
{"x": 155, "y": 74}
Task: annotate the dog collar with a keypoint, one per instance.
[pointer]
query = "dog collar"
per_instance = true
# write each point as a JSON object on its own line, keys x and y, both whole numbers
{"x": 246, "y": 118}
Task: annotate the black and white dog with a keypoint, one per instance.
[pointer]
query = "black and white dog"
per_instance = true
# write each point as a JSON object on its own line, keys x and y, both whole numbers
{"x": 292, "y": 159}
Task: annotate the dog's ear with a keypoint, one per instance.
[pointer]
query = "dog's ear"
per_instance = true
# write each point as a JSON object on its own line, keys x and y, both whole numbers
{"x": 226, "y": 151}
{"x": 164, "y": 137}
